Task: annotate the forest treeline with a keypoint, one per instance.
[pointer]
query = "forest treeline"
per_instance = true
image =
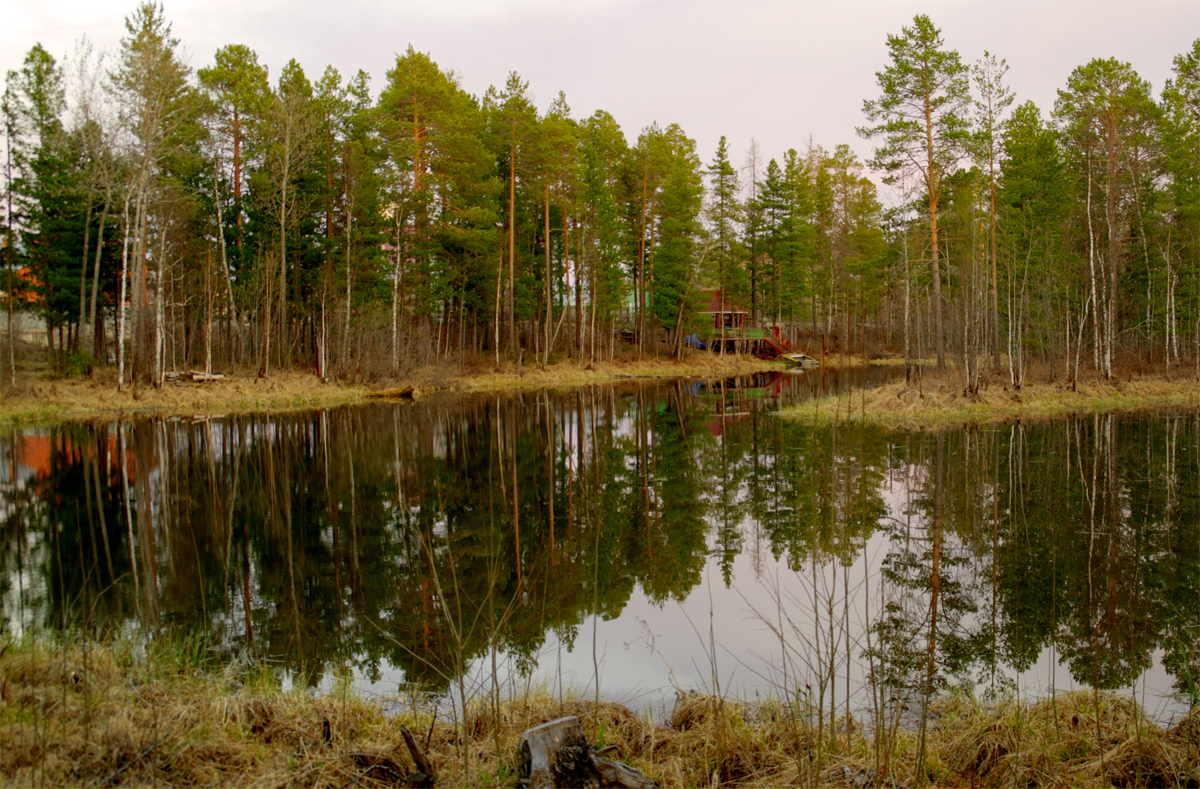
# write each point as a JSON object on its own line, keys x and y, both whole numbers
{"x": 325, "y": 225}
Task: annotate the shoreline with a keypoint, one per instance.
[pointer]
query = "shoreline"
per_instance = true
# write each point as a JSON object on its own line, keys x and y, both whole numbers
{"x": 37, "y": 400}
{"x": 934, "y": 404}
{"x": 162, "y": 712}
{"x": 929, "y": 403}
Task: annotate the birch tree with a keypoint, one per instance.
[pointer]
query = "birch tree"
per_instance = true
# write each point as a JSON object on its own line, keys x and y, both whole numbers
{"x": 1105, "y": 113}
{"x": 993, "y": 97}
{"x": 289, "y": 142}
{"x": 151, "y": 87}
{"x": 1181, "y": 147}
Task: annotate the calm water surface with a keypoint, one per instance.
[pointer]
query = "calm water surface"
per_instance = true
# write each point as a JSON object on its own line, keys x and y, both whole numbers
{"x": 641, "y": 538}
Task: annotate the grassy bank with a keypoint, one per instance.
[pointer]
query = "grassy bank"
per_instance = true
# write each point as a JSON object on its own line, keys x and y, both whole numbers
{"x": 936, "y": 401}
{"x": 39, "y": 398}
{"x": 76, "y": 715}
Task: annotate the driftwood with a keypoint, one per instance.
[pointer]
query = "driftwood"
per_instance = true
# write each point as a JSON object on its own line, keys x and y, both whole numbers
{"x": 383, "y": 767}
{"x": 424, "y": 776}
{"x": 557, "y": 755}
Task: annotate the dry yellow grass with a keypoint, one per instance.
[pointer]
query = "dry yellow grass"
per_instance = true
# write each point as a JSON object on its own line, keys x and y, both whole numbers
{"x": 38, "y": 399}
{"x": 125, "y": 715}
{"x": 484, "y": 377}
{"x": 936, "y": 403}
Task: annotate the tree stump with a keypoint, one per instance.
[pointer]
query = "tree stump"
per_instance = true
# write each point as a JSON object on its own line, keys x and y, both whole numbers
{"x": 557, "y": 755}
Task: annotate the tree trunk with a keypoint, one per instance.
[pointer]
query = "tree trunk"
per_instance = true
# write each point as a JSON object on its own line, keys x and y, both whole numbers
{"x": 160, "y": 294}
{"x": 496, "y": 323}
{"x": 549, "y": 289}
{"x": 282, "y": 342}
{"x": 349, "y": 281}
{"x": 1114, "y": 251}
{"x": 396, "y": 307}
{"x": 233, "y": 316}
{"x": 120, "y": 311}
{"x": 512, "y": 242}
{"x": 557, "y": 754}
{"x": 237, "y": 179}
{"x": 907, "y": 319}
{"x": 931, "y": 182}
{"x": 97, "y": 344}
{"x": 87, "y": 228}
{"x": 208, "y": 313}
{"x": 995, "y": 333}
{"x": 1092, "y": 272}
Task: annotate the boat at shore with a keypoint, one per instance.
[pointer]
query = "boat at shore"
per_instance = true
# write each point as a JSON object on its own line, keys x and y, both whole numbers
{"x": 801, "y": 360}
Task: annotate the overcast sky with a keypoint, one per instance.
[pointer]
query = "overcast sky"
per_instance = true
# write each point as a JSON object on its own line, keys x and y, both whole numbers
{"x": 775, "y": 71}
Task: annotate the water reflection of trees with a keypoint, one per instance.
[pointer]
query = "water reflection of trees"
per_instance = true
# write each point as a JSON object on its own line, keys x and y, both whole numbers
{"x": 429, "y": 536}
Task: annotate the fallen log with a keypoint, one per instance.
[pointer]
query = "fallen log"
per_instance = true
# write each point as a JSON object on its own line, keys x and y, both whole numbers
{"x": 198, "y": 376}
{"x": 405, "y": 392}
{"x": 557, "y": 755}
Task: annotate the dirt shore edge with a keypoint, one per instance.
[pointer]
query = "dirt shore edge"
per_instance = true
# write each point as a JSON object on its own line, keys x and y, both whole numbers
{"x": 39, "y": 399}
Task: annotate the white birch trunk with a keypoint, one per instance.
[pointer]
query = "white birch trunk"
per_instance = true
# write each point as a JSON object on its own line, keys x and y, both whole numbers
{"x": 121, "y": 298}
{"x": 160, "y": 293}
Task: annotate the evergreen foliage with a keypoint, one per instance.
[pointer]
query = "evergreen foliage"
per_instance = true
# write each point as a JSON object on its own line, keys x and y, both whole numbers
{"x": 223, "y": 219}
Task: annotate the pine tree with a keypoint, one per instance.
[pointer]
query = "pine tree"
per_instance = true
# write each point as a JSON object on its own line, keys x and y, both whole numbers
{"x": 605, "y": 153}
{"x": 724, "y": 216}
{"x": 796, "y": 236}
{"x": 775, "y": 223}
{"x": 47, "y": 205}
{"x": 752, "y": 226}
{"x": 443, "y": 191}
{"x": 920, "y": 116}
{"x": 515, "y": 133}
{"x": 238, "y": 92}
{"x": 679, "y": 230}
{"x": 1033, "y": 209}
{"x": 561, "y": 145}
{"x": 647, "y": 169}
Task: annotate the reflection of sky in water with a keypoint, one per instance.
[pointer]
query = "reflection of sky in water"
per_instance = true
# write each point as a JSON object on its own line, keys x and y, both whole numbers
{"x": 649, "y": 649}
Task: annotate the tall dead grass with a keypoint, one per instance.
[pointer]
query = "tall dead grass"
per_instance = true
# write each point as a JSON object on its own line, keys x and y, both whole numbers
{"x": 36, "y": 399}
{"x": 121, "y": 715}
{"x": 942, "y": 401}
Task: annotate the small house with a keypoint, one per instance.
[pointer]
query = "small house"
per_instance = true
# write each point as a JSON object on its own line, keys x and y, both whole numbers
{"x": 723, "y": 313}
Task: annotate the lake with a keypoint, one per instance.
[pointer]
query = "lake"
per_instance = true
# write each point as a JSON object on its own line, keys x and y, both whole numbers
{"x": 631, "y": 540}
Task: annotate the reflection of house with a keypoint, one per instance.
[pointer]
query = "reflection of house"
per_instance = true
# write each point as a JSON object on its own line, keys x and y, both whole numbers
{"x": 34, "y": 454}
{"x": 737, "y": 397}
